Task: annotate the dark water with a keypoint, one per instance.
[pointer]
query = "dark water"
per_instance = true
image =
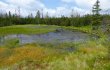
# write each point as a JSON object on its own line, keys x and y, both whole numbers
{"x": 58, "y": 36}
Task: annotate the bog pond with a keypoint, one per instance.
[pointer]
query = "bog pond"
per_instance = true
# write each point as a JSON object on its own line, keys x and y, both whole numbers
{"x": 58, "y": 36}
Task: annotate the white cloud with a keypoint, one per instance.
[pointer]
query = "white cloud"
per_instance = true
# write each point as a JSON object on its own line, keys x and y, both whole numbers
{"x": 104, "y": 4}
{"x": 87, "y": 4}
{"x": 26, "y": 6}
{"x": 84, "y": 3}
{"x": 2, "y": 4}
{"x": 31, "y": 6}
{"x": 58, "y": 11}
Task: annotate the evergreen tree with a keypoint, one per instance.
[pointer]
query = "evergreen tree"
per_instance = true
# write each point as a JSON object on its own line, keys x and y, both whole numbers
{"x": 72, "y": 15}
{"x": 37, "y": 17}
{"x": 38, "y": 14}
{"x": 9, "y": 14}
{"x": 47, "y": 15}
{"x": 96, "y": 15}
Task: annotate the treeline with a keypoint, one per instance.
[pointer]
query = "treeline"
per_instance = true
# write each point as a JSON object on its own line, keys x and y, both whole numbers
{"x": 9, "y": 19}
{"x": 13, "y": 19}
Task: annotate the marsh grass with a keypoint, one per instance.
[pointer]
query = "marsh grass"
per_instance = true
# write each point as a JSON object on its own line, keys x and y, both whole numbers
{"x": 11, "y": 43}
{"x": 29, "y": 52}
{"x": 26, "y": 29}
{"x": 88, "y": 56}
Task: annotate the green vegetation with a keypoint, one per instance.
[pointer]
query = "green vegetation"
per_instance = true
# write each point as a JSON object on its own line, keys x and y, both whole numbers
{"x": 91, "y": 55}
{"x": 89, "y": 30}
{"x": 26, "y": 29}
{"x": 96, "y": 16}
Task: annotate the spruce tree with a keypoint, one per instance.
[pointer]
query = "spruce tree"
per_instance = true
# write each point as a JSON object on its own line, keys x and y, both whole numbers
{"x": 37, "y": 17}
{"x": 96, "y": 15}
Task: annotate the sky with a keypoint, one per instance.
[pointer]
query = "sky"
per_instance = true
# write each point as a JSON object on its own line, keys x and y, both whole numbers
{"x": 55, "y": 8}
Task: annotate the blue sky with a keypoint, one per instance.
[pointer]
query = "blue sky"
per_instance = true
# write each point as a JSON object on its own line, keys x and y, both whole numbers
{"x": 53, "y": 7}
{"x": 57, "y": 3}
{"x": 52, "y": 3}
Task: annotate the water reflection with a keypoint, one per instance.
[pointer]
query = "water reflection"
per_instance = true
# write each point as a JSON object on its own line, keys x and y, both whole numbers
{"x": 59, "y": 36}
